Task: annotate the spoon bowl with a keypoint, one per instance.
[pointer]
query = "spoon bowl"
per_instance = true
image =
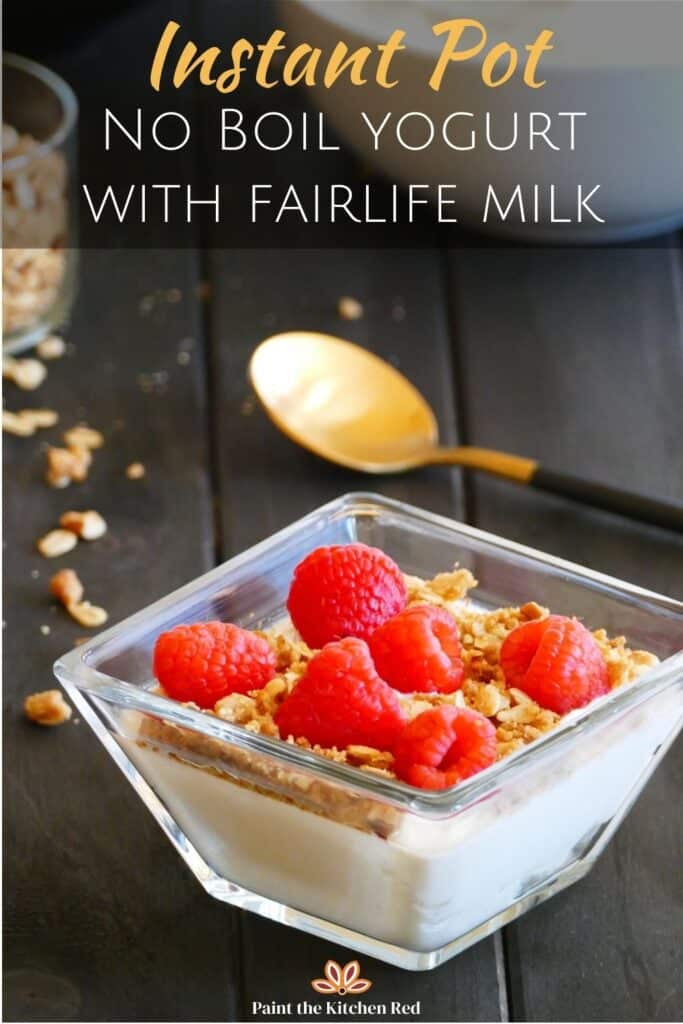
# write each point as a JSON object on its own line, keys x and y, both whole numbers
{"x": 343, "y": 403}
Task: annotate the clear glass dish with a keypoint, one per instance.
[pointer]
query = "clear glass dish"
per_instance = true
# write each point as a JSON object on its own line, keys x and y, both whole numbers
{"x": 412, "y": 877}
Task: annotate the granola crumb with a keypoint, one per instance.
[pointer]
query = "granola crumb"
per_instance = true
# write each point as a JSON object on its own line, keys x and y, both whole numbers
{"x": 25, "y": 422}
{"x": 27, "y": 374}
{"x": 86, "y": 614}
{"x": 369, "y": 757}
{"x": 531, "y": 610}
{"x": 14, "y": 423}
{"x": 42, "y": 418}
{"x": 446, "y": 590}
{"x": 47, "y": 708}
{"x": 89, "y": 525}
{"x": 135, "y": 471}
{"x": 349, "y": 308}
{"x": 67, "y": 465}
{"x": 52, "y": 347}
{"x": 82, "y": 436}
{"x": 66, "y": 587}
{"x": 56, "y": 543}
{"x": 623, "y": 664}
{"x": 237, "y": 708}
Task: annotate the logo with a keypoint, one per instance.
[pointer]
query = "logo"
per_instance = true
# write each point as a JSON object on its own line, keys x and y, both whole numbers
{"x": 341, "y": 981}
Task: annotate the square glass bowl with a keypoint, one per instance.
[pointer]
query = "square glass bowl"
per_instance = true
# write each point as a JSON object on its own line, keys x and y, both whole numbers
{"x": 409, "y": 876}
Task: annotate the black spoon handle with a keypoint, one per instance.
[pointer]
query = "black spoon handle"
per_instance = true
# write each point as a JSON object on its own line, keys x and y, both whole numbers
{"x": 668, "y": 514}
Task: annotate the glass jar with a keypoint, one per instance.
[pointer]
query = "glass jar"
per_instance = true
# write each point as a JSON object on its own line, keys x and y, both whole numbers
{"x": 40, "y": 113}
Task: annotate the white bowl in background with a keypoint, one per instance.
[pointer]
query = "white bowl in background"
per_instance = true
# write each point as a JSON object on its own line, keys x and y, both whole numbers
{"x": 620, "y": 61}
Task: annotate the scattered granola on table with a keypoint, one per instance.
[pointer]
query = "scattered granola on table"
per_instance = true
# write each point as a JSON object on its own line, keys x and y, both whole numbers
{"x": 349, "y": 308}
{"x": 25, "y": 422}
{"x": 89, "y": 525}
{"x": 68, "y": 589}
{"x": 56, "y": 543}
{"x": 27, "y": 374}
{"x": 82, "y": 436}
{"x": 67, "y": 465}
{"x": 52, "y": 347}
{"x": 47, "y": 708}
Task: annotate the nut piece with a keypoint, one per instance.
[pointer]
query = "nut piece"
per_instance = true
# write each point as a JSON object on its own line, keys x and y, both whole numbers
{"x": 88, "y": 525}
{"x": 87, "y": 615}
{"x": 66, "y": 587}
{"x": 47, "y": 708}
{"x": 349, "y": 308}
{"x": 57, "y": 542}
{"x": 15, "y": 423}
{"x": 135, "y": 471}
{"x": 40, "y": 417}
{"x": 52, "y": 347}
{"x": 27, "y": 374}
{"x": 67, "y": 464}
{"x": 82, "y": 436}
{"x": 237, "y": 708}
{"x": 25, "y": 422}
{"x": 369, "y": 756}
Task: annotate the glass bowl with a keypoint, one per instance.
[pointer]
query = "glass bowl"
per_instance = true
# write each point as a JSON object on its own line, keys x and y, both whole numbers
{"x": 40, "y": 113}
{"x": 409, "y": 876}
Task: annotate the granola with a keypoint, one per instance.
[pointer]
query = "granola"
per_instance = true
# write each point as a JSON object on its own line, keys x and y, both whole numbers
{"x": 517, "y": 719}
{"x": 68, "y": 589}
{"x": 25, "y": 422}
{"x": 47, "y": 708}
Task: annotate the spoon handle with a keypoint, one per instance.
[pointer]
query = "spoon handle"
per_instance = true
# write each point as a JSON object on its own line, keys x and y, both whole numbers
{"x": 668, "y": 514}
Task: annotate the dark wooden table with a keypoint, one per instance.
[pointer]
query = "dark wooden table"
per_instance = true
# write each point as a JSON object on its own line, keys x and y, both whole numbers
{"x": 575, "y": 357}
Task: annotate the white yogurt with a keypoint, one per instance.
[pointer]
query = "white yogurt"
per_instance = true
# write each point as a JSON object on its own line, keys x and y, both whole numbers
{"x": 431, "y": 881}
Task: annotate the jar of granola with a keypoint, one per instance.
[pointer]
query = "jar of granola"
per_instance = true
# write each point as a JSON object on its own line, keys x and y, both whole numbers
{"x": 38, "y": 212}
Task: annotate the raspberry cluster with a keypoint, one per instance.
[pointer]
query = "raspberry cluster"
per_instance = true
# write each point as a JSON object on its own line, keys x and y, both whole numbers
{"x": 349, "y": 603}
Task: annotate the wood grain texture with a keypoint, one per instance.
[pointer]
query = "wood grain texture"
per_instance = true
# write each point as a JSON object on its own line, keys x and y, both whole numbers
{"x": 577, "y": 358}
{"x": 101, "y": 917}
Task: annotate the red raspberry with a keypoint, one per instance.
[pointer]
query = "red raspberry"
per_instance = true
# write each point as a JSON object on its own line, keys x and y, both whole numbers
{"x": 345, "y": 590}
{"x": 556, "y": 661}
{"x": 419, "y": 651}
{"x": 342, "y": 700}
{"x": 208, "y": 660}
{"x": 443, "y": 746}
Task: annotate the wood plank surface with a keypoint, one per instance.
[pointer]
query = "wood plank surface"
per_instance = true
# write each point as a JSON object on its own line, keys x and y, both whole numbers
{"x": 576, "y": 358}
{"x": 266, "y": 482}
{"x": 101, "y": 917}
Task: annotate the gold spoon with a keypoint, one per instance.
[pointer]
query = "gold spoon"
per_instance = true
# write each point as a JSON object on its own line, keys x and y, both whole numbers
{"x": 349, "y": 406}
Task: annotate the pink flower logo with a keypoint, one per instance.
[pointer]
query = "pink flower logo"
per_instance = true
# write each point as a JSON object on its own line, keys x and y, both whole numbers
{"x": 341, "y": 981}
